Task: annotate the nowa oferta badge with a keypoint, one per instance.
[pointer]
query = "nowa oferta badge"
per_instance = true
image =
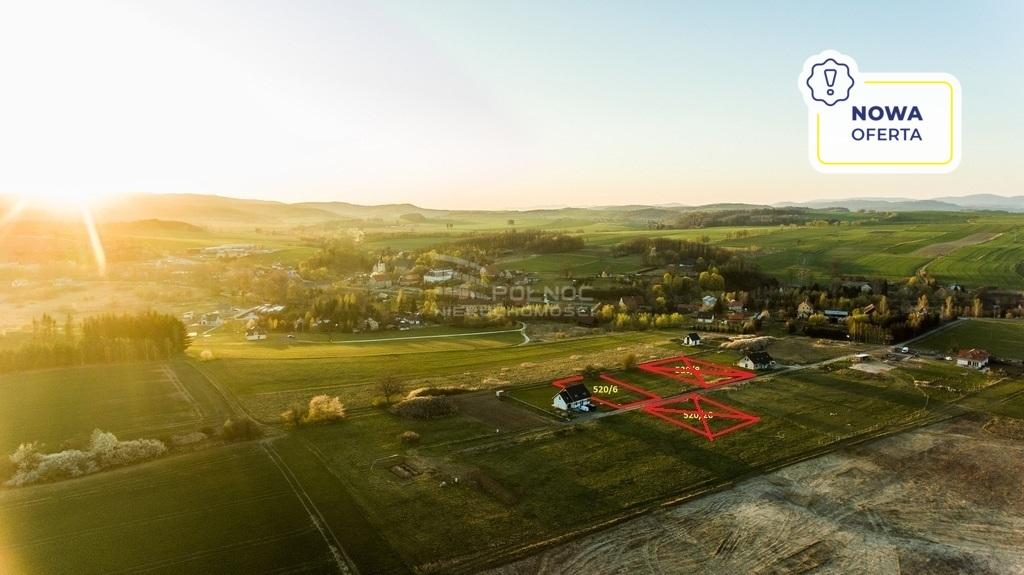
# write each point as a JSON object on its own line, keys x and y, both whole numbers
{"x": 875, "y": 123}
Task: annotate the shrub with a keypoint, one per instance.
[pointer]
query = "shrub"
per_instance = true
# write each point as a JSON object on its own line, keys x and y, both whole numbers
{"x": 293, "y": 415}
{"x": 240, "y": 428}
{"x": 324, "y": 408}
{"x": 206, "y": 355}
{"x": 379, "y": 402}
{"x": 425, "y": 407}
{"x": 410, "y": 437}
{"x": 591, "y": 371}
{"x": 389, "y": 386}
{"x": 435, "y": 391}
{"x": 105, "y": 450}
{"x": 629, "y": 361}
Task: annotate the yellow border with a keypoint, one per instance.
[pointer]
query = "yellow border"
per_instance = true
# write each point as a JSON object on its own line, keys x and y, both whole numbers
{"x": 951, "y": 110}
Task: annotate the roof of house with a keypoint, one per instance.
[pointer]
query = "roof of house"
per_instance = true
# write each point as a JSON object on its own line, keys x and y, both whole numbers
{"x": 704, "y": 315}
{"x": 574, "y": 392}
{"x": 693, "y": 335}
{"x": 837, "y": 312}
{"x": 760, "y": 357}
{"x": 973, "y": 353}
{"x": 631, "y": 301}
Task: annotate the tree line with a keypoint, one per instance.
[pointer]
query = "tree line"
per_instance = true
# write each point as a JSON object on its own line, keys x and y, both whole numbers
{"x": 109, "y": 338}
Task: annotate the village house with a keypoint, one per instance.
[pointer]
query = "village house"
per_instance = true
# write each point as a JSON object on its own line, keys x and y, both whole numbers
{"x": 380, "y": 280}
{"x": 630, "y": 302}
{"x": 437, "y": 276}
{"x": 692, "y": 339}
{"x": 804, "y": 310}
{"x": 735, "y": 319}
{"x": 735, "y": 305}
{"x": 757, "y": 360}
{"x": 575, "y": 397}
{"x": 255, "y": 333}
{"x": 410, "y": 279}
{"x": 211, "y": 319}
{"x": 973, "y": 358}
{"x": 704, "y": 317}
{"x": 836, "y": 315}
{"x": 708, "y": 301}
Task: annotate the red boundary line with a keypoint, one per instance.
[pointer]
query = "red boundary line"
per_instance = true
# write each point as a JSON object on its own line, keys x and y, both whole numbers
{"x": 656, "y": 405}
{"x": 722, "y": 412}
{"x": 695, "y": 371}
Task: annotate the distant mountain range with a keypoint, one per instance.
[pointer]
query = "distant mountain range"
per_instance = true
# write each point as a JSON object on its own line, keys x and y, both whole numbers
{"x": 943, "y": 204}
{"x": 209, "y": 210}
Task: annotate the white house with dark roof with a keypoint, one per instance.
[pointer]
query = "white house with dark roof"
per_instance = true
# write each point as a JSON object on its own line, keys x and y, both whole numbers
{"x": 757, "y": 360}
{"x": 692, "y": 339}
{"x": 575, "y": 397}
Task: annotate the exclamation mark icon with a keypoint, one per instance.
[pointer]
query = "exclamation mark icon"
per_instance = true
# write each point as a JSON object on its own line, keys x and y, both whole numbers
{"x": 830, "y": 79}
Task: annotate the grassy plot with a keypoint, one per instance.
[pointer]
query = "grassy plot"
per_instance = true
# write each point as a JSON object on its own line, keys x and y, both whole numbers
{"x": 1002, "y": 338}
{"x": 266, "y": 384}
{"x": 999, "y": 262}
{"x": 523, "y": 487}
{"x": 226, "y": 342}
{"x": 223, "y": 510}
{"x": 146, "y": 399}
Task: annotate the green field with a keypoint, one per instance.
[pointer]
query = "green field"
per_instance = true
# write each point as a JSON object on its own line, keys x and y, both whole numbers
{"x": 129, "y": 400}
{"x": 266, "y": 382}
{"x": 1002, "y": 338}
{"x": 601, "y": 468}
{"x": 228, "y": 510}
{"x": 228, "y": 342}
{"x": 978, "y": 250}
{"x": 250, "y": 506}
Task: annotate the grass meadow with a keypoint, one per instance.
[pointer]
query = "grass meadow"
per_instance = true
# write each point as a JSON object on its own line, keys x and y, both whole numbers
{"x": 1002, "y": 338}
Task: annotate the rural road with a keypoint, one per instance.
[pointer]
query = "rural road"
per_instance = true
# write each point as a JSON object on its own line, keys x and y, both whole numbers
{"x": 521, "y": 330}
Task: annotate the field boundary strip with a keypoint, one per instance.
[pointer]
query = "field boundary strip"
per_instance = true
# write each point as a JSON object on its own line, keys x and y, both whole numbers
{"x": 333, "y": 545}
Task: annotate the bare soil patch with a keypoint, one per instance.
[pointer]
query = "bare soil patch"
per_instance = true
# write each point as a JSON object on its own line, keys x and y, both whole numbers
{"x": 943, "y": 499}
{"x": 501, "y": 415}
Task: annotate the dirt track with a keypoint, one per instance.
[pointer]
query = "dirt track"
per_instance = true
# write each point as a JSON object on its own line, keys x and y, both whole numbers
{"x": 945, "y": 499}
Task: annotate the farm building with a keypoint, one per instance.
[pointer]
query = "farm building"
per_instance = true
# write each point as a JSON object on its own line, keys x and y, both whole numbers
{"x": 974, "y": 358}
{"x": 862, "y": 358}
{"x": 575, "y": 397}
{"x": 757, "y": 360}
{"x": 255, "y": 334}
{"x": 692, "y": 339}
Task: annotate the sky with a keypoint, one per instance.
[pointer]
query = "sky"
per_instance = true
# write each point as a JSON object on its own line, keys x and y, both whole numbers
{"x": 477, "y": 104}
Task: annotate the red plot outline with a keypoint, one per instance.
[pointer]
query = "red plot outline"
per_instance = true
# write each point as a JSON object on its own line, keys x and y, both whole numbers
{"x": 718, "y": 411}
{"x": 690, "y": 371}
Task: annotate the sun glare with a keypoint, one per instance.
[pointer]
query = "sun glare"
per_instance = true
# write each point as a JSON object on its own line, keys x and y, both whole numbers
{"x": 69, "y": 200}
{"x": 68, "y": 203}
